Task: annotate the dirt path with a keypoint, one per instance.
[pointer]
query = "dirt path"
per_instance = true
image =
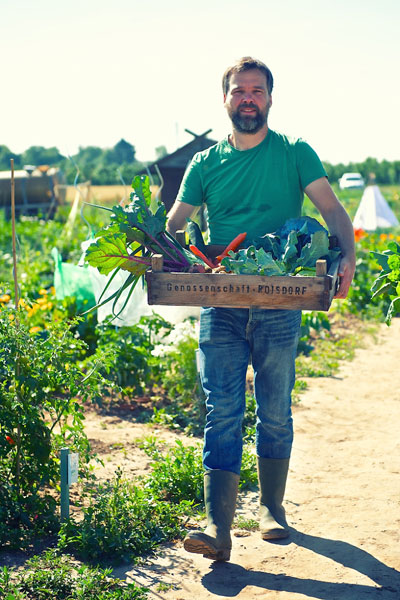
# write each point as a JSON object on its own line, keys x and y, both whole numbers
{"x": 342, "y": 501}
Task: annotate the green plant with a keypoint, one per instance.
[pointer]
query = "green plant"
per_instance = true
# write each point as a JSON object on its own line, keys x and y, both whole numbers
{"x": 122, "y": 522}
{"x": 387, "y": 284}
{"x": 293, "y": 249}
{"x": 124, "y": 355}
{"x": 180, "y": 381}
{"x": 40, "y": 411}
{"x": 176, "y": 475}
{"x": 328, "y": 351}
{"x": 359, "y": 301}
{"x": 135, "y": 234}
{"x": 54, "y": 576}
{"x": 165, "y": 587}
{"x": 247, "y": 524}
{"x": 312, "y": 322}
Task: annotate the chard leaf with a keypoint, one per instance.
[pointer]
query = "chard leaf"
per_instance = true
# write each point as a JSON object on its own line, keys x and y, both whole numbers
{"x": 141, "y": 186}
{"x": 107, "y": 253}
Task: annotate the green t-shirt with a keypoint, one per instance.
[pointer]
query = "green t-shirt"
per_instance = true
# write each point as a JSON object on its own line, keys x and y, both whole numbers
{"x": 253, "y": 191}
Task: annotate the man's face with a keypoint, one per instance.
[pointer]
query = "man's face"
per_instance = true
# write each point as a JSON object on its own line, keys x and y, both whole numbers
{"x": 248, "y": 101}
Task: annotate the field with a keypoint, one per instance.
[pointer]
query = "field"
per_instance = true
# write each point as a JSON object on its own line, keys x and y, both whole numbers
{"x": 128, "y": 400}
{"x": 102, "y": 194}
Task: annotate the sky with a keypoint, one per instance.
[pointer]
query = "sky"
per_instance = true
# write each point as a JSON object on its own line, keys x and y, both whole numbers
{"x": 91, "y": 72}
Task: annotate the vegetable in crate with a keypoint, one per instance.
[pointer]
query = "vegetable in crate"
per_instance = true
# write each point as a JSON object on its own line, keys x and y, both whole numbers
{"x": 292, "y": 250}
{"x": 135, "y": 233}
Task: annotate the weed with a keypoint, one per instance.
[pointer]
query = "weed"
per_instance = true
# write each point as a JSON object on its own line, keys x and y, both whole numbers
{"x": 176, "y": 475}
{"x": 60, "y": 578}
{"x": 246, "y": 524}
{"x": 123, "y": 522}
{"x": 165, "y": 587}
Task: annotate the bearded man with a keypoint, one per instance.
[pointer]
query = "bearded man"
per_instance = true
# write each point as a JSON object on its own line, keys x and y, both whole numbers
{"x": 252, "y": 181}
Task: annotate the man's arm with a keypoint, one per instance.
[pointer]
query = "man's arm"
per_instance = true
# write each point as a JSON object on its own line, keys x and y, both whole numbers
{"x": 339, "y": 224}
{"x": 178, "y": 214}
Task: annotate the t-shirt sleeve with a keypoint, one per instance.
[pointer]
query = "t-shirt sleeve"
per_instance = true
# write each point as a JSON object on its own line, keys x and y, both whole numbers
{"x": 191, "y": 188}
{"x": 309, "y": 165}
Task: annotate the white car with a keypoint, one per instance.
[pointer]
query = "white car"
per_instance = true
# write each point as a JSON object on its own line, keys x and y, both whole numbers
{"x": 351, "y": 180}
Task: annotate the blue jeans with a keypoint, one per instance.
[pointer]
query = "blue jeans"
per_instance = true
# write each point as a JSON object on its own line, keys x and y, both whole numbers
{"x": 228, "y": 338}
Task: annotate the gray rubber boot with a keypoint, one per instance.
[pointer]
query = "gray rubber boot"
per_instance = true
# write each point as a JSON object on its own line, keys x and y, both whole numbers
{"x": 272, "y": 476}
{"x": 220, "y": 493}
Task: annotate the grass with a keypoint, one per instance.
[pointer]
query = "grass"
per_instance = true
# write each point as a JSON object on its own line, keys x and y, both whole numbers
{"x": 347, "y": 334}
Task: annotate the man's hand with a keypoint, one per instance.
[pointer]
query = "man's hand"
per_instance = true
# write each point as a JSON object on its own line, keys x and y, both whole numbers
{"x": 346, "y": 273}
{"x": 339, "y": 225}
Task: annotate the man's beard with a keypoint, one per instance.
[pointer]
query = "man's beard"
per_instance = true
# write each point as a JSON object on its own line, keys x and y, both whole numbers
{"x": 248, "y": 123}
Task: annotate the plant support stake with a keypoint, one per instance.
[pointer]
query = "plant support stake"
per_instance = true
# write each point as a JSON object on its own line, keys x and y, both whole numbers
{"x": 69, "y": 466}
{"x": 14, "y": 246}
{"x": 64, "y": 453}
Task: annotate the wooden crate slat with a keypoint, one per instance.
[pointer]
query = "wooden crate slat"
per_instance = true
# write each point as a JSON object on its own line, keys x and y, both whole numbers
{"x": 220, "y": 289}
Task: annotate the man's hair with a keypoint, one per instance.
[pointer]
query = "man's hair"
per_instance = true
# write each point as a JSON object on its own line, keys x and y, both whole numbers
{"x": 246, "y": 64}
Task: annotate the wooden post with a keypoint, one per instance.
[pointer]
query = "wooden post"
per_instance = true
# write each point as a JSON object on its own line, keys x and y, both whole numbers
{"x": 180, "y": 237}
{"x": 157, "y": 262}
{"x": 321, "y": 268}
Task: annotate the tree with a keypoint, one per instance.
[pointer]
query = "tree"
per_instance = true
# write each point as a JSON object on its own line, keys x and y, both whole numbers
{"x": 5, "y": 156}
{"x": 38, "y": 155}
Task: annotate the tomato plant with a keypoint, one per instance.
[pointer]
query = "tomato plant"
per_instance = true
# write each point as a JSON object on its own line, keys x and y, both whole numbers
{"x": 41, "y": 388}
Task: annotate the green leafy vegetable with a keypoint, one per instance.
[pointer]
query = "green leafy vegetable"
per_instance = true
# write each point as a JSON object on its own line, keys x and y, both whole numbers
{"x": 195, "y": 236}
{"x": 134, "y": 234}
{"x": 291, "y": 252}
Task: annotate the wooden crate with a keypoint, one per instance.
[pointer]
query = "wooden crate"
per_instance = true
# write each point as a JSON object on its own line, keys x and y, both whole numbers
{"x": 243, "y": 291}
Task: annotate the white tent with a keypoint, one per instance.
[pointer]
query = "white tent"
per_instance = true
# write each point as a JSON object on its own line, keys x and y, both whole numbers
{"x": 373, "y": 211}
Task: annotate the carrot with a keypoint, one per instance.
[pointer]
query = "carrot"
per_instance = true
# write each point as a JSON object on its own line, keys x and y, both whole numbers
{"x": 203, "y": 257}
{"x": 233, "y": 246}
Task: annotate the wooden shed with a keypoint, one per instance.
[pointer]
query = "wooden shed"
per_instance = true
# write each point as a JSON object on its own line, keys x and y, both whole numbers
{"x": 172, "y": 166}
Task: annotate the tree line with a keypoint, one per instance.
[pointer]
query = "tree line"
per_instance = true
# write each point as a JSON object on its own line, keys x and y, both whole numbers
{"x": 108, "y": 166}
{"x": 101, "y": 166}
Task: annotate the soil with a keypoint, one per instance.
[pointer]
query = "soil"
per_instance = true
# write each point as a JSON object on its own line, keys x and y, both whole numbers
{"x": 342, "y": 497}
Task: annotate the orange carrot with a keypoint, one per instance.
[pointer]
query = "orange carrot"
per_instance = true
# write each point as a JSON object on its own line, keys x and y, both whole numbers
{"x": 234, "y": 245}
{"x": 203, "y": 257}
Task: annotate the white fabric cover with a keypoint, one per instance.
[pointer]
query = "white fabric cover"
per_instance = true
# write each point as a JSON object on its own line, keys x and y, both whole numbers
{"x": 373, "y": 211}
{"x": 137, "y": 304}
